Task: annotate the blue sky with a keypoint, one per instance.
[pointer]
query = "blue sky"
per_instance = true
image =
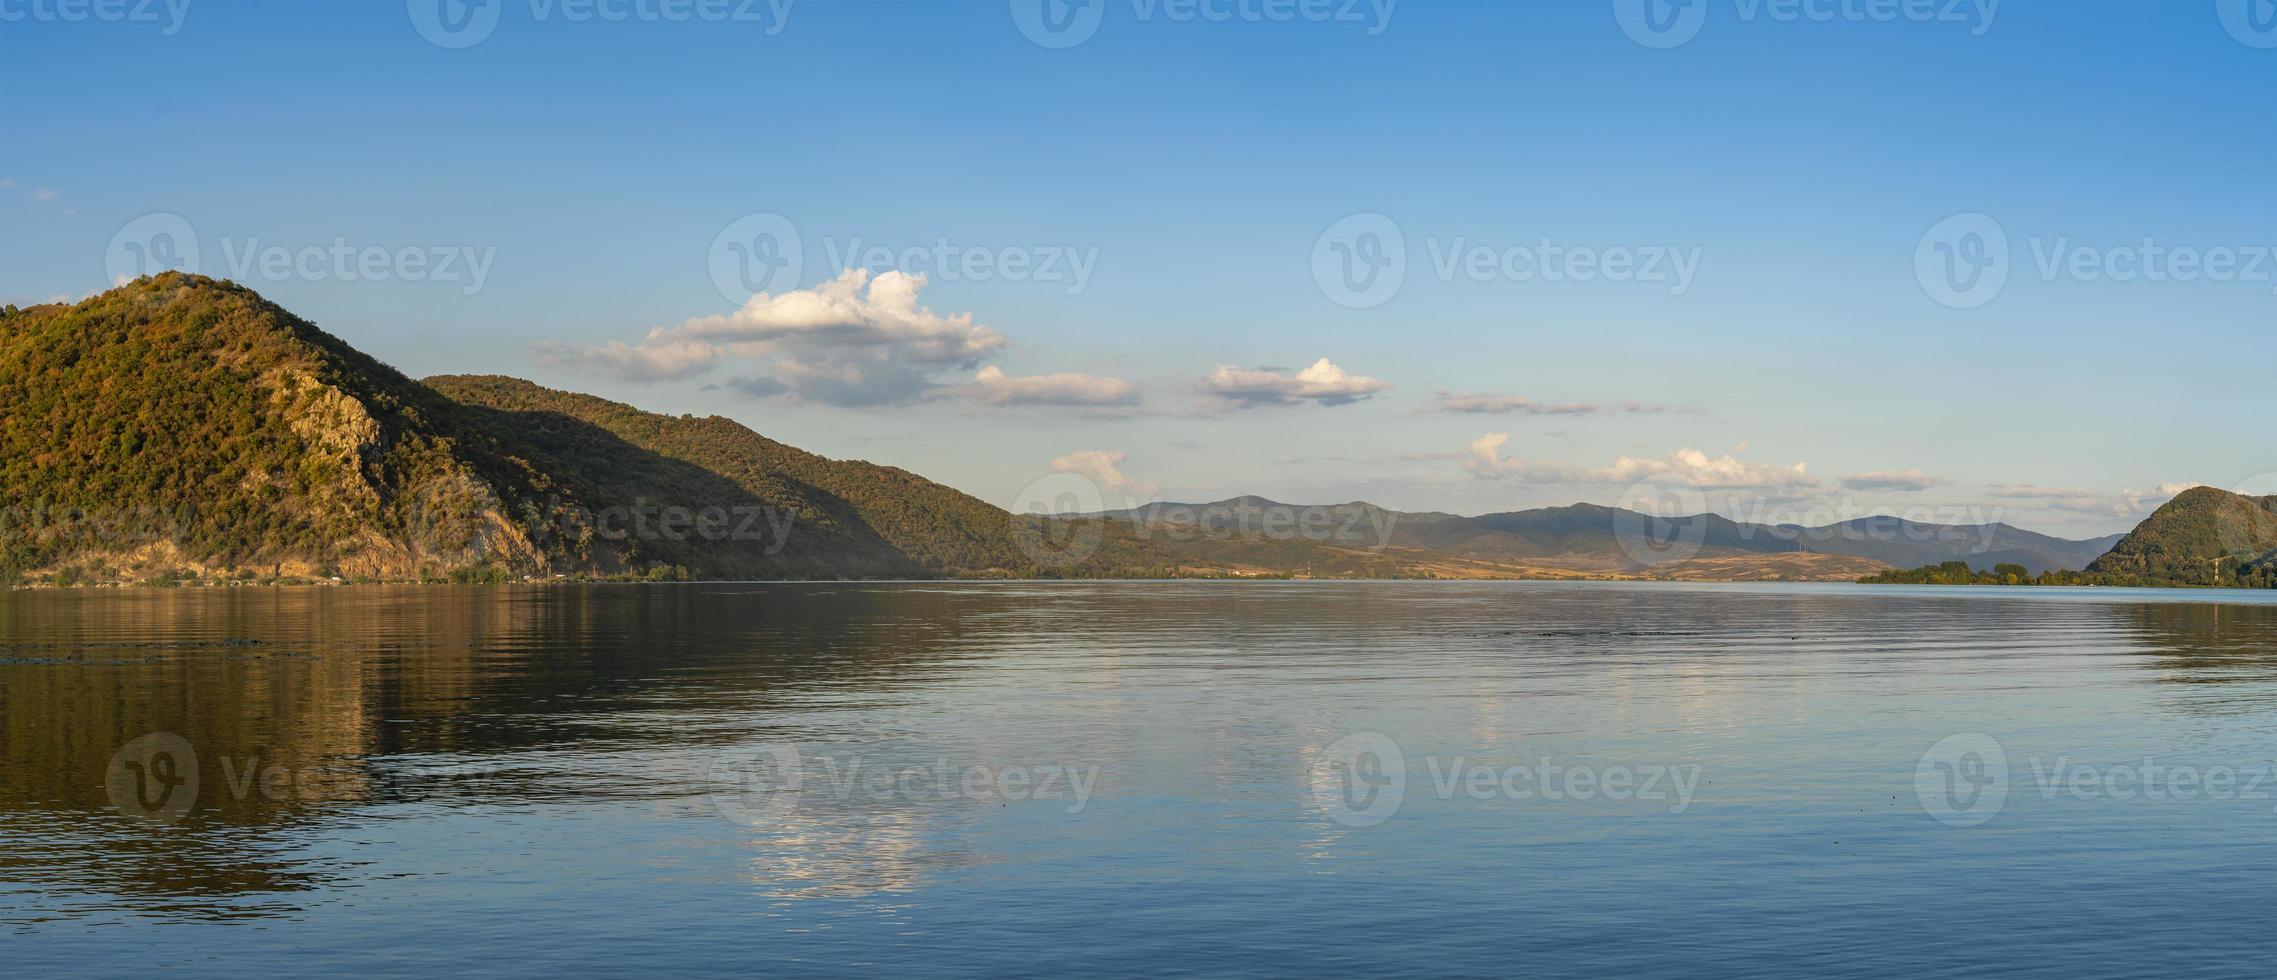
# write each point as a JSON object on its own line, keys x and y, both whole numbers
{"x": 1797, "y": 153}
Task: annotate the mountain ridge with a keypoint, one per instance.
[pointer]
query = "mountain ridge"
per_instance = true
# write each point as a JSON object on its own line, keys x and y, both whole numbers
{"x": 1584, "y": 529}
{"x": 181, "y": 427}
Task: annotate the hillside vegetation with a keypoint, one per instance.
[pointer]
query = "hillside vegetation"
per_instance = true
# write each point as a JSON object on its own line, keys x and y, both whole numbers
{"x": 181, "y": 427}
{"x": 178, "y": 423}
{"x": 2203, "y": 538}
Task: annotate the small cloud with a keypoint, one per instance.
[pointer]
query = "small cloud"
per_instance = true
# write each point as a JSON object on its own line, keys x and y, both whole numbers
{"x": 652, "y": 360}
{"x": 756, "y": 387}
{"x": 1458, "y": 404}
{"x": 2126, "y": 503}
{"x": 44, "y": 194}
{"x": 1323, "y": 384}
{"x": 853, "y": 341}
{"x": 1890, "y": 481}
{"x": 1104, "y": 468}
{"x": 993, "y": 387}
{"x": 1685, "y": 465}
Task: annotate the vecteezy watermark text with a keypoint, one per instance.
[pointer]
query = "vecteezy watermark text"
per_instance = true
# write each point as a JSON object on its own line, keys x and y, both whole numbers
{"x": 465, "y": 23}
{"x": 1966, "y": 780}
{"x": 1061, "y": 520}
{"x": 157, "y": 243}
{"x": 764, "y": 252}
{"x": 1362, "y": 780}
{"x": 1060, "y": 24}
{"x": 943, "y": 260}
{"x": 169, "y": 13}
{"x": 767, "y": 783}
{"x": 1674, "y": 23}
{"x": 1362, "y": 261}
{"x": 1968, "y": 260}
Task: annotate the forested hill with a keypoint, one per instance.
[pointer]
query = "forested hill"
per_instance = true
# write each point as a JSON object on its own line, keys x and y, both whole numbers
{"x": 935, "y": 526}
{"x": 2204, "y": 536}
{"x": 179, "y": 423}
{"x": 183, "y": 427}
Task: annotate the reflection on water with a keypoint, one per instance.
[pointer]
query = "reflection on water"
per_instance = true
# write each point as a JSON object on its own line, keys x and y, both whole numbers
{"x": 550, "y": 759}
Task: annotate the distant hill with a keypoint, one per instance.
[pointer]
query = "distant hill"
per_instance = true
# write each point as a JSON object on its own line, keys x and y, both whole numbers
{"x": 855, "y": 516}
{"x": 1595, "y": 540}
{"x": 2203, "y": 536}
{"x": 1906, "y": 544}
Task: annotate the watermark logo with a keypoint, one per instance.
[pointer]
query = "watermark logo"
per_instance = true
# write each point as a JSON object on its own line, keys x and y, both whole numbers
{"x": 1361, "y": 780}
{"x": 757, "y": 786}
{"x": 1962, "y": 262}
{"x": 1962, "y": 781}
{"x": 1055, "y": 520}
{"x": 1062, "y": 24}
{"x": 1059, "y": 24}
{"x": 761, "y": 786}
{"x": 1660, "y": 521}
{"x": 1967, "y": 260}
{"x": 1966, "y": 780}
{"x": 156, "y": 243}
{"x": 1062, "y": 519}
{"x": 153, "y": 778}
{"x": 455, "y": 24}
{"x": 2252, "y": 22}
{"x": 171, "y": 13}
{"x": 757, "y": 253}
{"x": 149, "y": 245}
{"x": 1360, "y": 262}
{"x": 1069, "y": 266}
{"x": 1664, "y": 24}
{"x": 647, "y": 520}
{"x": 1661, "y": 24}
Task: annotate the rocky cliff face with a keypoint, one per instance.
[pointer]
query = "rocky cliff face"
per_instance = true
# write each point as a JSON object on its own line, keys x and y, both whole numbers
{"x": 179, "y": 425}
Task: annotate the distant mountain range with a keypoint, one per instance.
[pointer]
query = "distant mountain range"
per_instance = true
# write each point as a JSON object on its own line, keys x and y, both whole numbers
{"x": 179, "y": 427}
{"x": 1583, "y": 540}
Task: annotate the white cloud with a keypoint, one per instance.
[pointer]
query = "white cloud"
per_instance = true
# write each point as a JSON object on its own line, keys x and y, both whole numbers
{"x": 44, "y": 194}
{"x": 1455, "y": 404}
{"x": 1323, "y": 383}
{"x": 1104, "y": 468}
{"x": 1891, "y": 481}
{"x": 653, "y": 360}
{"x": 1685, "y": 465}
{"x": 993, "y": 387}
{"x": 2126, "y": 503}
{"x": 856, "y": 340}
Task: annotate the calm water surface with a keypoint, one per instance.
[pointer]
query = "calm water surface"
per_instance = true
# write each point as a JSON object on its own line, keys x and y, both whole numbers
{"x": 1225, "y": 779}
